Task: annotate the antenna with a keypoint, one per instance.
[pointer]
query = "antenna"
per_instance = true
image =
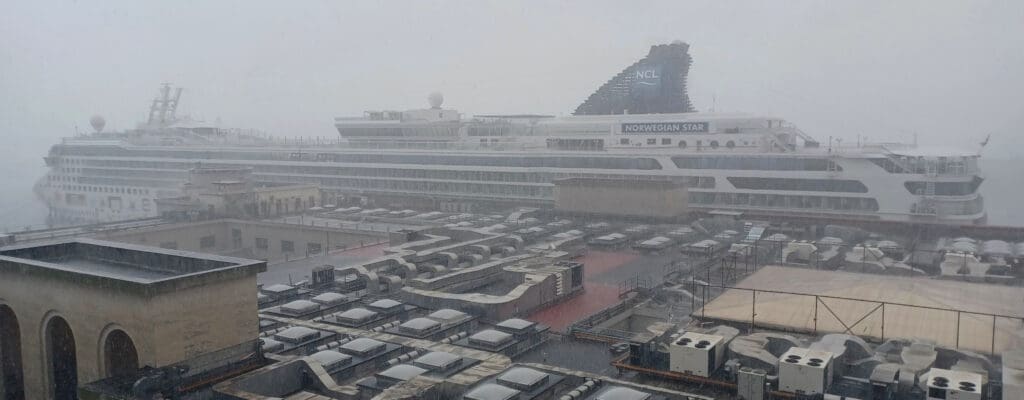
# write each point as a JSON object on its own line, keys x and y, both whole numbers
{"x": 164, "y": 100}
{"x": 174, "y": 104}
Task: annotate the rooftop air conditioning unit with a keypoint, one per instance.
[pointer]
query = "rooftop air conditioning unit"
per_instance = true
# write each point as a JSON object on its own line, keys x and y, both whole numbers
{"x": 805, "y": 371}
{"x": 696, "y": 354}
{"x": 944, "y": 384}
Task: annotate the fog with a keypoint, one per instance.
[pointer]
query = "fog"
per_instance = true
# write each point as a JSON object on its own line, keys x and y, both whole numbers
{"x": 494, "y": 252}
{"x": 945, "y": 71}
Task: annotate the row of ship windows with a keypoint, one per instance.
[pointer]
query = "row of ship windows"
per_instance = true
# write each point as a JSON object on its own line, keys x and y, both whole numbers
{"x": 136, "y": 173}
{"x": 688, "y": 162}
{"x": 539, "y": 192}
{"x": 943, "y": 165}
{"x": 103, "y": 189}
{"x": 969, "y": 207}
{"x": 151, "y": 182}
{"x": 465, "y": 175}
{"x": 757, "y": 163}
{"x": 807, "y": 185}
{"x": 750, "y": 183}
{"x": 956, "y": 167}
{"x": 682, "y": 144}
{"x": 576, "y": 162}
{"x": 786, "y": 201}
{"x": 748, "y": 199}
{"x": 944, "y": 188}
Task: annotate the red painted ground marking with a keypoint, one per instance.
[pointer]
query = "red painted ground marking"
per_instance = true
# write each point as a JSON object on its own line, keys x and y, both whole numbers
{"x": 596, "y": 297}
{"x": 598, "y": 262}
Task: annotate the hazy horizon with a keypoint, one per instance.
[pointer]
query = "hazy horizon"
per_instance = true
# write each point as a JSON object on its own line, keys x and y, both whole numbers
{"x": 839, "y": 69}
{"x": 945, "y": 71}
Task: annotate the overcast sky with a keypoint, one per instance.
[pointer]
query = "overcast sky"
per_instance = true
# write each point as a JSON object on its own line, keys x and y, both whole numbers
{"x": 948, "y": 70}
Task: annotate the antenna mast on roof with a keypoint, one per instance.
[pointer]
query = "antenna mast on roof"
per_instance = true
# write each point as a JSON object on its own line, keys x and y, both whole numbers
{"x": 163, "y": 110}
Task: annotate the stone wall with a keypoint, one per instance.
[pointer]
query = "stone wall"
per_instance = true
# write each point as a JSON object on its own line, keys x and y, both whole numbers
{"x": 167, "y": 322}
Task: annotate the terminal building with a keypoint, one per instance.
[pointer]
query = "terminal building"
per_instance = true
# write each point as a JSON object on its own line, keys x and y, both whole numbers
{"x": 84, "y": 310}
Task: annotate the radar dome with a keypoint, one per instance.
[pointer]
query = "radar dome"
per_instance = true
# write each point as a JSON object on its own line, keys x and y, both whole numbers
{"x": 97, "y": 123}
{"x": 435, "y": 99}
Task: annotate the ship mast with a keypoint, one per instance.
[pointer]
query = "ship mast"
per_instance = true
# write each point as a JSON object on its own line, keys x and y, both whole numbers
{"x": 162, "y": 111}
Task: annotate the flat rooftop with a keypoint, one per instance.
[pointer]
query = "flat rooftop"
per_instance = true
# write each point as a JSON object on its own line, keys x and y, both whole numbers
{"x": 141, "y": 265}
{"x": 915, "y": 307}
{"x": 85, "y": 264}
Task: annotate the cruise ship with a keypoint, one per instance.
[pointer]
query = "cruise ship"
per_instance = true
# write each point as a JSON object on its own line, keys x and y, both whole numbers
{"x": 640, "y": 124}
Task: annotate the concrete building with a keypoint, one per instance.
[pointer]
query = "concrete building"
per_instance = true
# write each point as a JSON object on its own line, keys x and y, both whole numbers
{"x": 77, "y": 311}
{"x": 231, "y": 192}
{"x": 271, "y": 241}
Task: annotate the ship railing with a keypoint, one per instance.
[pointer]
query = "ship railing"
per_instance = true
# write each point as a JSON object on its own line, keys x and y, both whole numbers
{"x": 792, "y": 129}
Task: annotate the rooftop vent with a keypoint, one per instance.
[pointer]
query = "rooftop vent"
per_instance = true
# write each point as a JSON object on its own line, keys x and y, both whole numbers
{"x": 357, "y": 315}
{"x": 401, "y": 372}
{"x": 385, "y": 305}
{"x": 363, "y": 347}
{"x": 490, "y": 338}
{"x": 524, "y": 379}
{"x": 329, "y": 299}
{"x": 331, "y": 360}
{"x": 492, "y": 391}
{"x": 419, "y": 325}
{"x": 516, "y": 324}
{"x": 438, "y": 361}
{"x": 297, "y": 334}
{"x": 621, "y": 393}
{"x": 277, "y": 289}
{"x": 447, "y": 314}
{"x": 271, "y": 345}
{"x": 299, "y": 307}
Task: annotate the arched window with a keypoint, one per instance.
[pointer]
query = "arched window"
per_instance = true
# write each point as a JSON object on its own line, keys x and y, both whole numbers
{"x": 62, "y": 359}
{"x": 730, "y": 144}
{"x": 682, "y": 144}
{"x": 714, "y": 144}
{"x": 119, "y": 355}
{"x": 12, "y": 382}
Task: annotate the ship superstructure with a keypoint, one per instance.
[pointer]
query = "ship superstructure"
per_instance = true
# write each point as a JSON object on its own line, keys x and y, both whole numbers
{"x": 436, "y": 155}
